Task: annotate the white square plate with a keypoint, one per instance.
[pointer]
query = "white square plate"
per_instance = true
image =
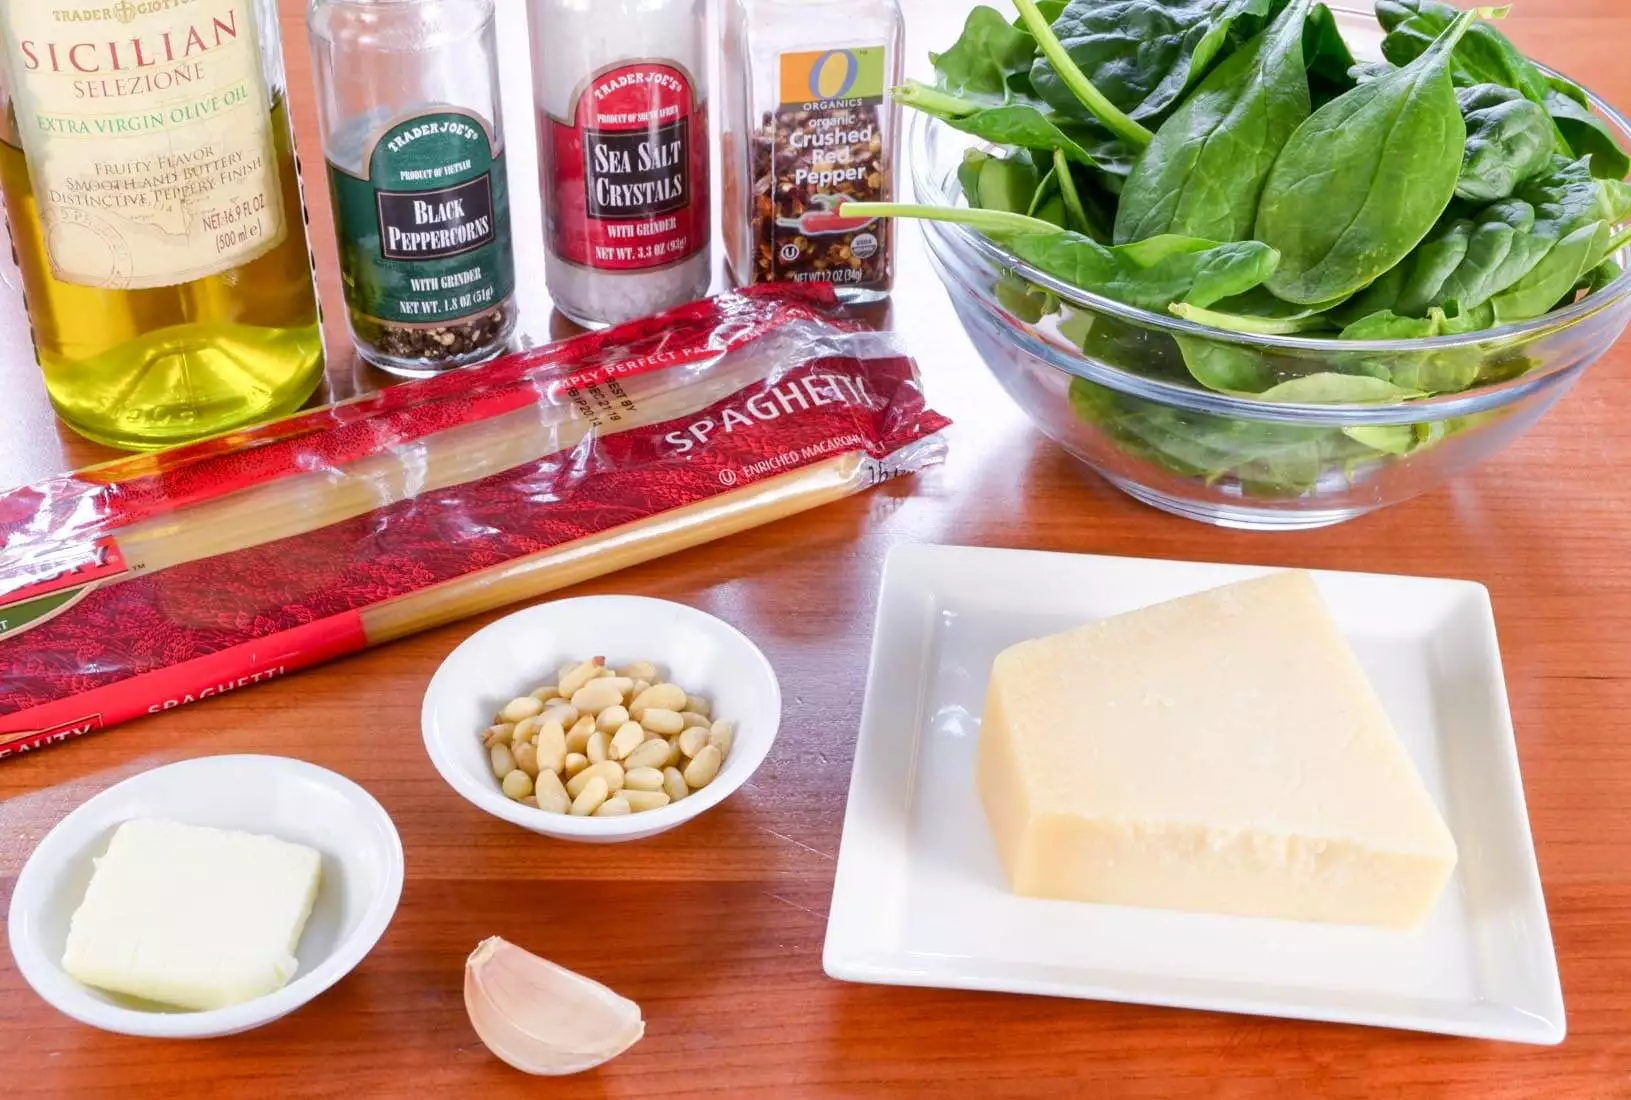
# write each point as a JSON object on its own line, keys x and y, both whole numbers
{"x": 921, "y": 898}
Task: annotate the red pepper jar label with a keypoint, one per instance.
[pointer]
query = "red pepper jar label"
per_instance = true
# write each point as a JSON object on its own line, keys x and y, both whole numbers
{"x": 628, "y": 174}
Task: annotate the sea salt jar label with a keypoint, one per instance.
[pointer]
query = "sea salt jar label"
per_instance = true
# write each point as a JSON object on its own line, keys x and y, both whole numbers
{"x": 424, "y": 238}
{"x": 628, "y": 171}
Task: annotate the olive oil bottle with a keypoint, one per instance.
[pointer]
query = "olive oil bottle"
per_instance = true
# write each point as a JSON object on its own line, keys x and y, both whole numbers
{"x": 148, "y": 167}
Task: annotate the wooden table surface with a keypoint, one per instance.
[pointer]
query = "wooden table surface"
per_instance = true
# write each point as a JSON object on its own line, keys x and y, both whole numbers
{"x": 717, "y": 929}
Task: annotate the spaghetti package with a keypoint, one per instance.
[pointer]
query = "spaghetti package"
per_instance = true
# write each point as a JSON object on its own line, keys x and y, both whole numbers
{"x": 155, "y": 581}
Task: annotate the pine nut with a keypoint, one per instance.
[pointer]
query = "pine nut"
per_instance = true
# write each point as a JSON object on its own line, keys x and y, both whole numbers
{"x": 524, "y": 707}
{"x": 612, "y": 718}
{"x": 498, "y": 733}
{"x": 722, "y": 736}
{"x": 596, "y": 749}
{"x": 692, "y": 718}
{"x": 674, "y": 784}
{"x": 502, "y": 760}
{"x": 591, "y": 798}
{"x": 518, "y": 784}
{"x": 614, "y": 807}
{"x": 551, "y": 747}
{"x": 698, "y": 705}
{"x": 693, "y": 740}
{"x": 598, "y": 696}
{"x": 664, "y": 696}
{"x": 563, "y": 712}
{"x": 649, "y": 754}
{"x": 545, "y": 694}
{"x": 525, "y": 730}
{"x": 609, "y": 772}
{"x": 526, "y": 758}
{"x": 643, "y": 779}
{"x": 676, "y": 756}
{"x": 577, "y": 736}
{"x": 581, "y": 674}
{"x": 641, "y": 801}
{"x": 703, "y": 767}
{"x": 641, "y": 670}
{"x": 661, "y": 720}
{"x": 575, "y": 763}
{"x": 626, "y": 740}
{"x": 551, "y": 794}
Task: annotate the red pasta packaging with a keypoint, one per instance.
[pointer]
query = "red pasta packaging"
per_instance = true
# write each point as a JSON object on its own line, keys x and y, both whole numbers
{"x": 155, "y": 581}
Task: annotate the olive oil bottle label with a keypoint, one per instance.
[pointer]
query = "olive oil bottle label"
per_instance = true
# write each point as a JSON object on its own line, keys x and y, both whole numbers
{"x": 425, "y": 238}
{"x": 148, "y": 137}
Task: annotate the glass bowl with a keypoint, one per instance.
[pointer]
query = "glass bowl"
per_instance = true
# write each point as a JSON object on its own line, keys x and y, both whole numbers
{"x": 1109, "y": 383}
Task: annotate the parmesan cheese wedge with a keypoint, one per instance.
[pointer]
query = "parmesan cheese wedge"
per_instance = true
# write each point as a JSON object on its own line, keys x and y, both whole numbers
{"x": 1223, "y": 753}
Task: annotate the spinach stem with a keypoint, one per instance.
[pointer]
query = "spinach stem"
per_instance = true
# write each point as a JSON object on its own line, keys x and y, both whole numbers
{"x": 990, "y": 222}
{"x": 1257, "y": 326}
{"x": 1619, "y": 242}
{"x": 1081, "y": 87}
{"x": 914, "y": 93}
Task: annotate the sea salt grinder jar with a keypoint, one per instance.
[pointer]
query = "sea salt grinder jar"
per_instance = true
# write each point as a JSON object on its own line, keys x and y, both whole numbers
{"x": 623, "y": 146}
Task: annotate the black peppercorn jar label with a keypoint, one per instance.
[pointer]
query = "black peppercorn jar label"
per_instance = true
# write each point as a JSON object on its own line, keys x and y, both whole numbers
{"x": 425, "y": 238}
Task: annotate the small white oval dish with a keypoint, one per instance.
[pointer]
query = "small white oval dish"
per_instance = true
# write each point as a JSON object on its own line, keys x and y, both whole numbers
{"x": 519, "y": 652}
{"x": 267, "y": 795}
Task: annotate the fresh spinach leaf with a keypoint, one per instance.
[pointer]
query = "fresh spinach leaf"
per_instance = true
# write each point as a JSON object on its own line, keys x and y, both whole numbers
{"x": 1227, "y": 368}
{"x": 1150, "y": 274}
{"x": 1602, "y": 275}
{"x": 1483, "y": 56}
{"x": 981, "y": 61}
{"x": 1365, "y": 178}
{"x": 1509, "y": 140}
{"x": 1393, "y": 439}
{"x": 1568, "y": 88}
{"x": 1570, "y": 196}
{"x": 1019, "y": 124}
{"x": 1203, "y": 175}
{"x": 1428, "y": 372}
{"x": 1007, "y": 183}
{"x": 1554, "y": 279}
{"x": 1366, "y": 71}
{"x": 1472, "y": 259}
{"x": 1027, "y": 302}
{"x": 1588, "y": 135}
{"x": 1142, "y": 55}
{"x": 1264, "y": 458}
{"x": 968, "y": 174}
{"x": 1388, "y": 325}
{"x": 1325, "y": 52}
{"x": 1259, "y": 313}
{"x": 1337, "y": 389}
{"x": 1115, "y": 343}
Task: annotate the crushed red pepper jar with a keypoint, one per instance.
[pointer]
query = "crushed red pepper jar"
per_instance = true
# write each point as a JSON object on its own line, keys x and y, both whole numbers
{"x": 809, "y": 124}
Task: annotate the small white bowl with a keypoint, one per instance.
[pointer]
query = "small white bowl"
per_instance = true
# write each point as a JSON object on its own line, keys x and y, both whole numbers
{"x": 268, "y": 795}
{"x": 517, "y": 653}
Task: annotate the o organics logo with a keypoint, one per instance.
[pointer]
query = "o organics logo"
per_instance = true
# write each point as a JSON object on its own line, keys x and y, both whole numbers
{"x": 833, "y": 74}
{"x": 821, "y": 76}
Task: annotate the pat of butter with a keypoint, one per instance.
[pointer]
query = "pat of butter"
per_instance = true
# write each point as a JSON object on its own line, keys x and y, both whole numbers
{"x": 193, "y": 917}
{"x": 1221, "y": 753}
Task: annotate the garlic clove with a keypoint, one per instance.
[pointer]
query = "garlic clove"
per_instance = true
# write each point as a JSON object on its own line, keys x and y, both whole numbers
{"x": 542, "y": 1018}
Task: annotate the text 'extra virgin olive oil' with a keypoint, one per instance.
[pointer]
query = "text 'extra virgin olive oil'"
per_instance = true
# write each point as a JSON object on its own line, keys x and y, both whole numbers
{"x": 149, "y": 174}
